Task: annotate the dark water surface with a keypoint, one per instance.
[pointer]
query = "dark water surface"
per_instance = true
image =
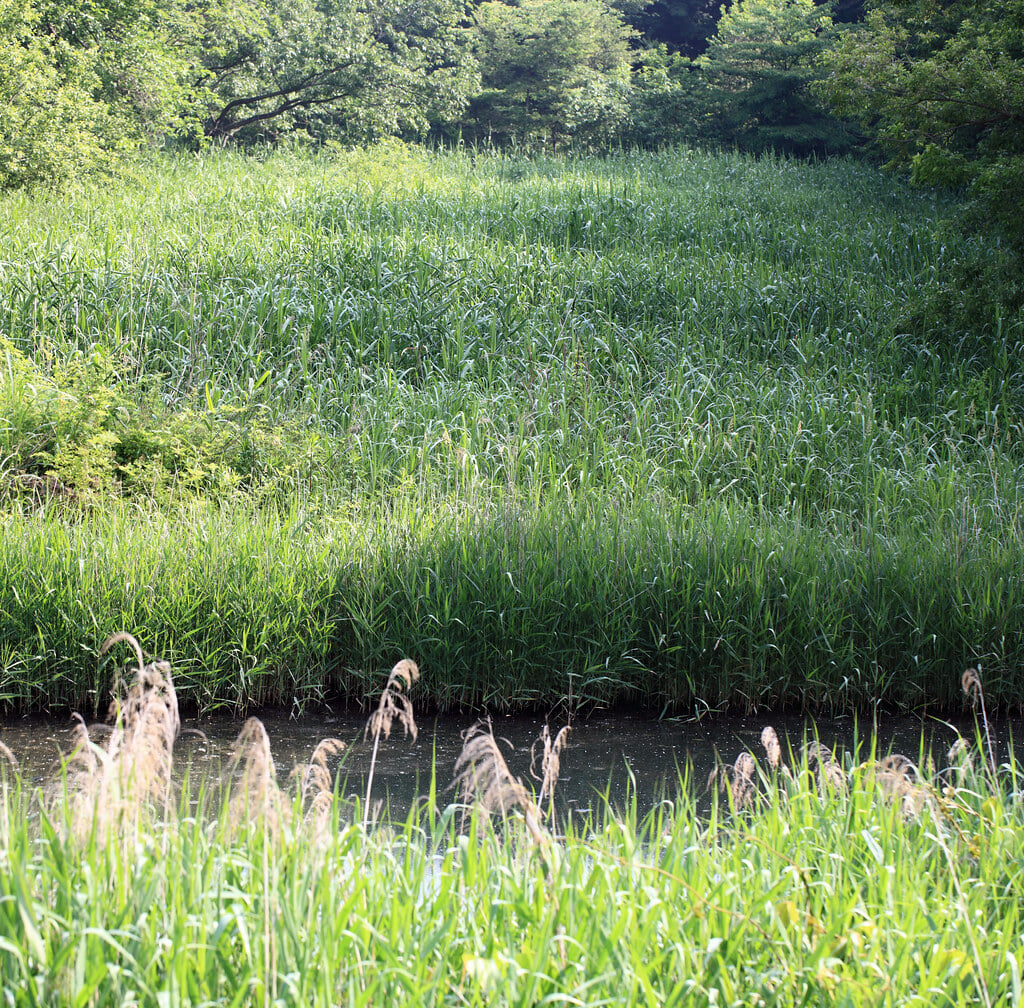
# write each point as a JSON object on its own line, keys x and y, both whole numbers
{"x": 615, "y": 754}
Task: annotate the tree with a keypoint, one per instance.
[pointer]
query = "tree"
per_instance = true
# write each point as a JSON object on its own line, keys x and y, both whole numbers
{"x": 758, "y": 71}
{"x": 550, "y": 69}
{"x": 940, "y": 85}
{"x": 83, "y": 80}
{"x": 142, "y": 54}
{"x": 685, "y": 27}
{"x": 48, "y": 117}
{"x": 682, "y": 26}
{"x": 355, "y": 68}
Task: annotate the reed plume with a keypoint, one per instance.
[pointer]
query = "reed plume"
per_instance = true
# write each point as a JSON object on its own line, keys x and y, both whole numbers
{"x": 394, "y": 706}
{"x": 116, "y": 782}
{"x": 316, "y": 784}
{"x": 8, "y": 755}
{"x": 481, "y": 774}
{"x": 743, "y": 789}
{"x": 830, "y": 773}
{"x": 970, "y": 682}
{"x": 961, "y": 758}
{"x": 88, "y": 786}
{"x": 146, "y": 723}
{"x": 772, "y": 747}
{"x": 736, "y": 781}
{"x": 550, "y": 761}
{"x": 897, "y": 777}
{"x": 255, "y": 795}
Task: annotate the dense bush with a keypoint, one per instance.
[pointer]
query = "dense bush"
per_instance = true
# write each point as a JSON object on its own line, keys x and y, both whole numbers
{"x": 69, "y": 430}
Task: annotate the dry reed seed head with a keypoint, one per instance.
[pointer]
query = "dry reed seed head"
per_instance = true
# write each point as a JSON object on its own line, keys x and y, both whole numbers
{"x": 551, "y": 759}
{"x": 743, "y": 793}
{"x": 318, "y": 788}
{"x": 407, "y": 670}
{"x": 481, "y": 773}
{"x": 149, "y": 723}
{"x": 745, "y": 767}
{"x": 830, "y": 773}
{"x": 315, "y": 776}
{"x": 737, "y": 780}
{"x": 970, "y": 683}
{"x": 772, "y": 748}
{"x": 251, "y": 751}
{"x": 896, "y": 776}
{"x": 716, "y": 777}
{"x": 146, "y": 722}
{"x": 960, "y": 756}
{"x": 127, "y": 638}
{"x": 319, "y": 816}
{"x": 898, "y": 764}
{"x": 254, "y": 789}
{"x": 742, "y": 789}
{"x": 8, "y": 755}
{"x": 89, "y": 786}
{"x": 815, "y": 752}
{"x": 394, "y": 704}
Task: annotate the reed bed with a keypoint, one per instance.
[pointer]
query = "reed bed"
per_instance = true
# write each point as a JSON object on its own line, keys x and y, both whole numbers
{"x": 845, "y": 888}
{"x": 659, "y": 423}
{"x": 681, "y": 609}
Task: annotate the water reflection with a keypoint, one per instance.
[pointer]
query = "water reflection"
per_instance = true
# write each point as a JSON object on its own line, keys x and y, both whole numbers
{"x": 623, "y": 756}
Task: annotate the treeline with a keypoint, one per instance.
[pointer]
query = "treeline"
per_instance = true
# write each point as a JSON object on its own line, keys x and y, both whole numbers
{"x": 82, "y": 80}
{"x": 940, "y": 86}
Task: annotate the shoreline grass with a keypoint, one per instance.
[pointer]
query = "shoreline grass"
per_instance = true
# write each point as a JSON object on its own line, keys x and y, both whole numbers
{"x": 837, "y": 884}
{"x": 660, "y": 608}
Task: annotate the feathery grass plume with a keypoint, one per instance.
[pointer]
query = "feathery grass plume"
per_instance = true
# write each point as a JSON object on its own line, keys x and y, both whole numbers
{"x": 87, "y": 788}
{"x": 481, "y": 774}
{"x": 772, "y": 748}
{"x": 736, "y": 781}
{"x": 394, "y": 705}
{"x": 146, "y": 723}
{"x": 550, "y": 763}
{"x": 830, "y": 773}
{"x": 743, "y": 789}
{"x": 116, "y": 782}
{"x": 897, "y": 777}
{"x": 970, "y": 682}
{"x": 255, "y": 796}
{"x": 961, "y": 759}
{"x": 316, "y": 784}
{"x": 8, "y": 755}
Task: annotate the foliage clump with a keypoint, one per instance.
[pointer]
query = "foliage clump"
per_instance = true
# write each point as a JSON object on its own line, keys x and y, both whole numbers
{"x": 73, "y": 432}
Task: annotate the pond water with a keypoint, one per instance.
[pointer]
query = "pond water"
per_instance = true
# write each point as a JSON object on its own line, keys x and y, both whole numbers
{"x": 619, "y": 755}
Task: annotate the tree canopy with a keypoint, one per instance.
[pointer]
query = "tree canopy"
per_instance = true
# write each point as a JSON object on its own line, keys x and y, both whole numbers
{"x": 550, "y": 68}
{"x": 758, "y": 71}
{"x": 940, "y": 85}
{"x": 354, "y": 68}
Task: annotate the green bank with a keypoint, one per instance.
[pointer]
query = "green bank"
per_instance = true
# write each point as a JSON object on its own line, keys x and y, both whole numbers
{"x": 661, "y": 428}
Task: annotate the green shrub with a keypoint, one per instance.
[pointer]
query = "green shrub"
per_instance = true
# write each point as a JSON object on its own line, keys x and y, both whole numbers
{"x": 70, "y": 423}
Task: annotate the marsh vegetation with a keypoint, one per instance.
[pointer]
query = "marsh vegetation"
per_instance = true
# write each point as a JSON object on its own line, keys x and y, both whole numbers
{"x": 815, "y": 878}
{"x": 656, "y": 428}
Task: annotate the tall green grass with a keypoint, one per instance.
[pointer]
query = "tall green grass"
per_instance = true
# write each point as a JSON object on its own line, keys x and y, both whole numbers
{"x": 648, "y": 423}
{"x": 676, "y": 608}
